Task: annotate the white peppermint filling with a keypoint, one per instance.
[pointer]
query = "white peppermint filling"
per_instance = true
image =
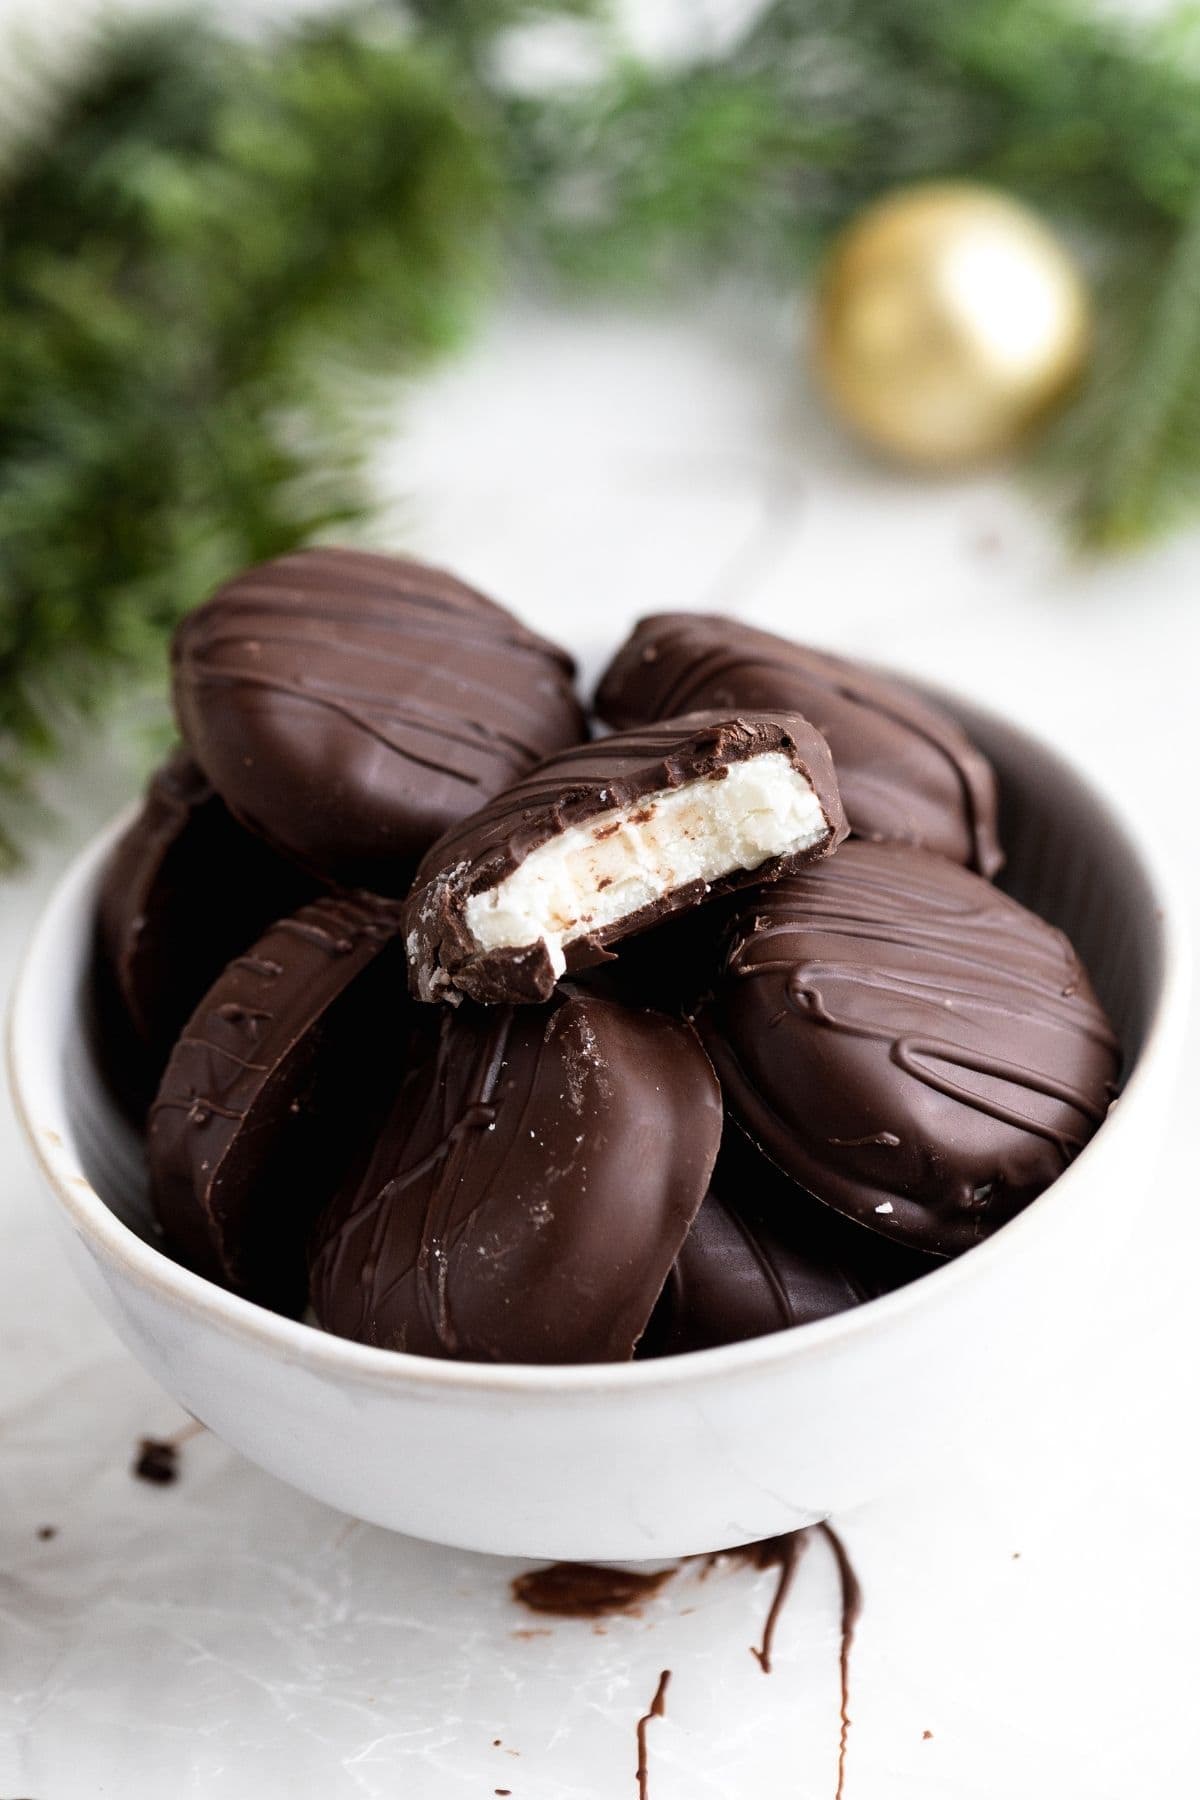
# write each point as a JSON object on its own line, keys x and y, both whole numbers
{"x": 590, "y": 876}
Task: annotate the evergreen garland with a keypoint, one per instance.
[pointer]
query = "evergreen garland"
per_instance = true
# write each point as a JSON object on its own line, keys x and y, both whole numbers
{"x": 203, "y": 237}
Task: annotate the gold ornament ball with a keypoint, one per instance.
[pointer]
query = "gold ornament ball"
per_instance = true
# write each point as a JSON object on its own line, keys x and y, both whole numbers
{"x": 948, "y": 321}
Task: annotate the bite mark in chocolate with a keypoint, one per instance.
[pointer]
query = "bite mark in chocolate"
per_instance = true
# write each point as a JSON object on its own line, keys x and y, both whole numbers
{"x": 906, "y": 770}
{"x": 606, "y": 839}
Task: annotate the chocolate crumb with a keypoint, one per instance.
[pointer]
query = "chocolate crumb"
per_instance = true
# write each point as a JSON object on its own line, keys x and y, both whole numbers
{"x": 46, "y": 1532}
{"x": 157, "y": 1462}
{"x": 502, "y": 1790}
{"x": 926, "y": 1734}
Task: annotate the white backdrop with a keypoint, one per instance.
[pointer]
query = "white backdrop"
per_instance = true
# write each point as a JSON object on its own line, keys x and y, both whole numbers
{"x": 1033, "y": 1605}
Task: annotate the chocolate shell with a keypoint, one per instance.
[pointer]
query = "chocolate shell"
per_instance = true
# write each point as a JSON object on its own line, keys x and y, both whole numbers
{"x": 906, "y": 770}
{"x": 763, "y": 1255}
{"x": 282, "y": 1070}
{"x": 530, "y": 1190}
{"x": 186, "y": 888}
{"x": 910, "y": 1044}
{"x": 349, "y": 707}
{"x": 608, "y": 800}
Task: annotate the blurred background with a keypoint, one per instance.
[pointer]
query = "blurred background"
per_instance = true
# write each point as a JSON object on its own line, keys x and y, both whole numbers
{"x": 610, "y": 309}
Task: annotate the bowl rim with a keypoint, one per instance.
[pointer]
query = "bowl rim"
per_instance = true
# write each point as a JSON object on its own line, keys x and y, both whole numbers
{"x": 39, "y": 1100}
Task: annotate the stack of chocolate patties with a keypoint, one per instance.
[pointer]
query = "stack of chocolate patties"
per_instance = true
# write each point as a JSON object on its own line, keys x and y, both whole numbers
{"x": 488, "y": 1039}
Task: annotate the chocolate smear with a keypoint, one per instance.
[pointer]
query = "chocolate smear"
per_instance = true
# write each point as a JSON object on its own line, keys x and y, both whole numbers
{"x": 587, "y": 1590}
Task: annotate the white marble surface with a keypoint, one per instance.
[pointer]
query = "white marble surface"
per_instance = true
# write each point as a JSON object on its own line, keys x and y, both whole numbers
{"x": 1033, "y": 1607}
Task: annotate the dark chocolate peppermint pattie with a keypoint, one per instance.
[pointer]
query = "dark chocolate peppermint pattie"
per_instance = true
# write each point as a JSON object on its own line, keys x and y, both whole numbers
{"x": 281, "y": 1073}
{"x": 735, "y": 1278}
{"x": 611, "y": 837}
{"x": 905, "y": 769}
{"x": 911, "y": 1045}
{"x": 763, "y": 1255}
{"x": 186, "y": 888}
{"x": 530, "y": 1190}
{"x": 348, "y": 707}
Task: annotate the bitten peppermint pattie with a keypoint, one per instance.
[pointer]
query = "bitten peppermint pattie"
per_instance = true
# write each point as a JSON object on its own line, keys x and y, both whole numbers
{"x": 281, "y": 1074}
{"x": 906, "y": 770}
{"x": 530, "y": 1190}
{"x": 608, "y": 838}
{"x": 348, "y": 708}
{"x": 914, "y": 1047}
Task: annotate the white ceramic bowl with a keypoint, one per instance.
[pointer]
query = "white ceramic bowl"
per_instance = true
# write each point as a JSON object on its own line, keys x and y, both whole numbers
{"x": 660, "y": 1458}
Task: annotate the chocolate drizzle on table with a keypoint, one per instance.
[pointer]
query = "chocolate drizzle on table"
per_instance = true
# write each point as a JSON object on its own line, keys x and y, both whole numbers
{"x": 911, "y": 1045}
{"x": 591, "y": 1591}
{"x": 349, "y": 707}
{"x": 851, "y": 1595}
{"x": 906, "y": 770}
{"x": 574, "y": 788}
{"x": 656, "y": 1710}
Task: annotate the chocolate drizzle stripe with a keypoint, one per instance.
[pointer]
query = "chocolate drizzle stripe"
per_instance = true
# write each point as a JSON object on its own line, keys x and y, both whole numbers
{"x": 329, "y": 701}
{"x": 1039, "y": 978}
{"x": 907, "y": 1052}
{"x": 435, "y": 1226}
{"x": 851, "y": 1595}
{"x": 223, "y": 1050}
{"x": 485, "y": 623}
{"x": 321, "y": 640}
{"x": 360, "y": 703}
{"x": 771, "y": 1278}
{"x": 656, "y": 1710}
{"x": 786, "y": 1554}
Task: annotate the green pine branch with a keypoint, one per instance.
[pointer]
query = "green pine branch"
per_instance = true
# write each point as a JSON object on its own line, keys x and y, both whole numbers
{"x": 208, "y": 248}
{"x": 204, "y": 224}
